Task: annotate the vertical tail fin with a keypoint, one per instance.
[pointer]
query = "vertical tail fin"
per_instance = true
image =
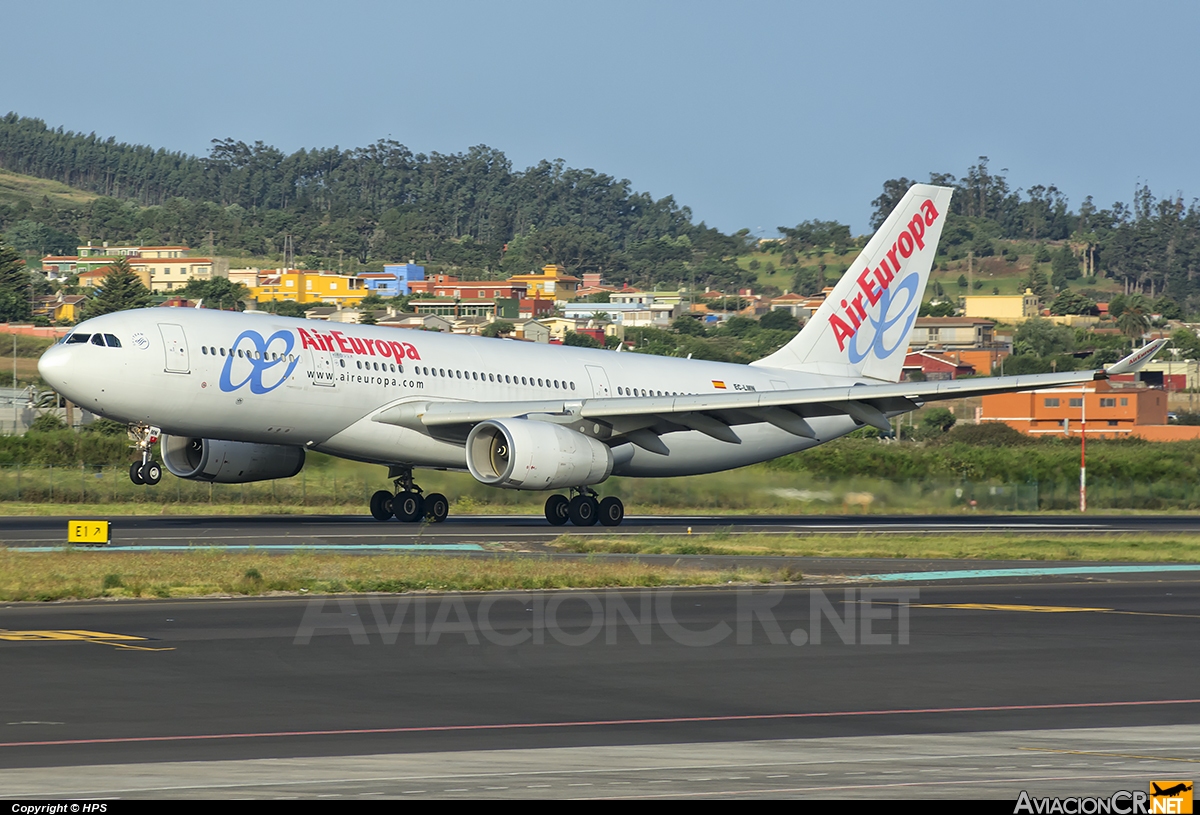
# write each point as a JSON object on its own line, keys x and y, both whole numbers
{"x": 862, "y": 329}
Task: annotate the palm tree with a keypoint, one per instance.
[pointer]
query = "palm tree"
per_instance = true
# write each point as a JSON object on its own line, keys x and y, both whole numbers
{"x": 1134, "y": 321}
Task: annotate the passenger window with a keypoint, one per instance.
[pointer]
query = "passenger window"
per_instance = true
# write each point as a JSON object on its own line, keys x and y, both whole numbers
{"x": 572, "y": 386}
{"x": 112, "y": 340}
{"x": 204, "y": 350}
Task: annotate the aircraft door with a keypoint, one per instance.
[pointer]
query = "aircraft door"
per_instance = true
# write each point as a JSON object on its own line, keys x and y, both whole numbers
{"x": 599, "y": 379}
{"x": 175, "y": 348}
{"x": 324, "y": 374}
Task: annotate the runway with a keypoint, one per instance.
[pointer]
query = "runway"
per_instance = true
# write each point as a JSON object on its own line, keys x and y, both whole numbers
{"x": 465, "y": 532}
{"x": 950, "y": 689}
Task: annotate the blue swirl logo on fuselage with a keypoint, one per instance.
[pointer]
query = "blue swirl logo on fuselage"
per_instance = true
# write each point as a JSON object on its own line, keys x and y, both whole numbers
{"x": 885, "y": 321}
{"x": 273, "y": 364}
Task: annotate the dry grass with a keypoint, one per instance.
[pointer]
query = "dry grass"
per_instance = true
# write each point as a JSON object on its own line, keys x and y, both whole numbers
{"x": 83, "y": 574}
{"x": 15, "y": 187}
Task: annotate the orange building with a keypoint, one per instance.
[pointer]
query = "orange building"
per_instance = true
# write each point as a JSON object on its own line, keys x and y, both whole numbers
{"x": 1111, "y": 412}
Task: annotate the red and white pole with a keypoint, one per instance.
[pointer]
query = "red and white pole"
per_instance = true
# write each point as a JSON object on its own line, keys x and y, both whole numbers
{"x": 1083, "y": 450}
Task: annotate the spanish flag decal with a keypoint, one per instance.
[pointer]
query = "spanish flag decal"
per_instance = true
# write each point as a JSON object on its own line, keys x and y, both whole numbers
{"x": 718, "y": 384}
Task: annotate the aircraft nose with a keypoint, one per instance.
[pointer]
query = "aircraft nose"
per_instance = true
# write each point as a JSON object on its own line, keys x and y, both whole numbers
{"x": 53, "y": 366}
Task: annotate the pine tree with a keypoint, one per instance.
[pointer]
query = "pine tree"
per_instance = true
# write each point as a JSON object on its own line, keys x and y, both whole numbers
{"x": 120, "y": 289}
{"x": 14, "y": 285}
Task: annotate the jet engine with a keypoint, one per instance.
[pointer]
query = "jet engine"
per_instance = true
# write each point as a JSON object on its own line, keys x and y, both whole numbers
{"x": 520, "y": 454}
{"x": 229, "y": 462}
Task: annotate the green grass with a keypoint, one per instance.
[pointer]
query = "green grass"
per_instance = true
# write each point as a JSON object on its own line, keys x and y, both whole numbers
{"x": 82, "y": 574}
{"x": 994, "y": 272}
{"x": 984, "y": 546}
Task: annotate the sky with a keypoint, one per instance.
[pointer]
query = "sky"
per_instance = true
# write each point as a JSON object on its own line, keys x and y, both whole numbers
{"x": 753, "y": 114}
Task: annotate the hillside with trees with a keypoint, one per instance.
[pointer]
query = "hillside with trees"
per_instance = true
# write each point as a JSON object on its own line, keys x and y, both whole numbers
{"x": 475, "y": 214}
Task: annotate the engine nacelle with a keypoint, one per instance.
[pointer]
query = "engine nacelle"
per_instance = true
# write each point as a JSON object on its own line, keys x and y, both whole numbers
{"x": 520, "y": 454}
{"x": 229, "y": 462}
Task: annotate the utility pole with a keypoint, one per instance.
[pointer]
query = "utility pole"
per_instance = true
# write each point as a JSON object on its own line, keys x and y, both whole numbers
{"x": 14, "y": 394}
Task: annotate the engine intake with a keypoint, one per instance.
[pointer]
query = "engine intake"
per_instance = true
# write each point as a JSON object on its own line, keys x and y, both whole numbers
{"x": 520, "y": 454}
{"x": 229, "y": 462}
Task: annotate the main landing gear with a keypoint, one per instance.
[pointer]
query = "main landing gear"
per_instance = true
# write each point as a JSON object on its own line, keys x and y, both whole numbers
{"x": 582, "y": 509}
{"x": 407, "y": 504}
{"x": 147, "y": 471}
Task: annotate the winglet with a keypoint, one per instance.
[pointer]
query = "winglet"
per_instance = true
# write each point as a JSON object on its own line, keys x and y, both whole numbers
{"x": 1134, "y": 362}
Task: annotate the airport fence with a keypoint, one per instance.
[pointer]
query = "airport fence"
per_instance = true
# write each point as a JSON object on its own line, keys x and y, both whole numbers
{"x": 749, "y": 490}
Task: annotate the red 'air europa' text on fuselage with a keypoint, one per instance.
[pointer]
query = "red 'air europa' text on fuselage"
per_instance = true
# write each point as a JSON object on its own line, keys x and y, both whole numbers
{"x": 338, "y": 341}
{"x": 872, "y": 283}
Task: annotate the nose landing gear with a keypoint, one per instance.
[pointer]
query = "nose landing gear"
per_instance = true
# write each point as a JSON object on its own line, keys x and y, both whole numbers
{"x": 146, "y": 471}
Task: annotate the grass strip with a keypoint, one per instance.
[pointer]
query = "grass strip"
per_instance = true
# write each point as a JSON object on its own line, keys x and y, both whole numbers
{"x": 1140, "y": 548}
{"x": 83, "y": 574}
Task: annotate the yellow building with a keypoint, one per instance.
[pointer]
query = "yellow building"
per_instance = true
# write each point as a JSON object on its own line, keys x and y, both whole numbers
{"x": 61, "y": 308}
{"x": 1003, "y": 308}
{"x": 552, "y": 283}
{"x": 310, "y": 287}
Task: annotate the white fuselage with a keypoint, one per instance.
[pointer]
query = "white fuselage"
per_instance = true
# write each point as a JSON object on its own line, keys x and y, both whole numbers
{"x": 275, "y": 380}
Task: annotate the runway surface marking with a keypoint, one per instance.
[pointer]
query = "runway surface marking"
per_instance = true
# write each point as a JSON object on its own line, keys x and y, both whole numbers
{"x": 1041, "y": 609}
{"x": 1008, "y": 607}
{"x": 607, "y": 722}
{"x": 1034, "y": 571}
{"x": 77, "y": 635}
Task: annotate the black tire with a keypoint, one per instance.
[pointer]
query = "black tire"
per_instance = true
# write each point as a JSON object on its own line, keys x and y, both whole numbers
{"x": 381, "y": 506}
{"x": 583, "y": 510}
{"x": 612, "y": 511}
{"x": 135, "y": 473}
{"x": 152, "y": 473}
{"x": 409, "y": 507}
{"x": 436, "y": 507}
{"x": 556, "y": 509}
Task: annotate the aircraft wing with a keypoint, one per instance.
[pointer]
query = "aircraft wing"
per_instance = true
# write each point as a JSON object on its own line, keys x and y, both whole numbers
{"x": 642, "y": 420}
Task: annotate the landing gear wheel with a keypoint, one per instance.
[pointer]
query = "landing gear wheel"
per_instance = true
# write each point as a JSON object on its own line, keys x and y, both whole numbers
{"x": 612, "y": 511}
{"x": 583, "y": 510}
{"x": 381, "y": 505}
{"x": 135, "y": 473}
{"x": 556, "y": 509}
{"x": 151, "y": 473}
{"x": 436, "y": 507}
{"x": 410, "y": 506}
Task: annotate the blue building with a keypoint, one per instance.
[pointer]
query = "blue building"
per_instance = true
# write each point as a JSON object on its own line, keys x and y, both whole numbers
{"x": 394, "y": 280}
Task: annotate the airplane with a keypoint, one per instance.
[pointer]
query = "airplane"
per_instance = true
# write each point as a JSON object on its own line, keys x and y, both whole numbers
{"x": 1170, "y": 792}
{"x": 237, "y": 397}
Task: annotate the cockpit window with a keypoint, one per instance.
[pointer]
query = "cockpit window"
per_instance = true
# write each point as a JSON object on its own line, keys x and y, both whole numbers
{"x": 112, "y": 340}
{"x": 98, "y": 339}
{"x": 74, "y": 338}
